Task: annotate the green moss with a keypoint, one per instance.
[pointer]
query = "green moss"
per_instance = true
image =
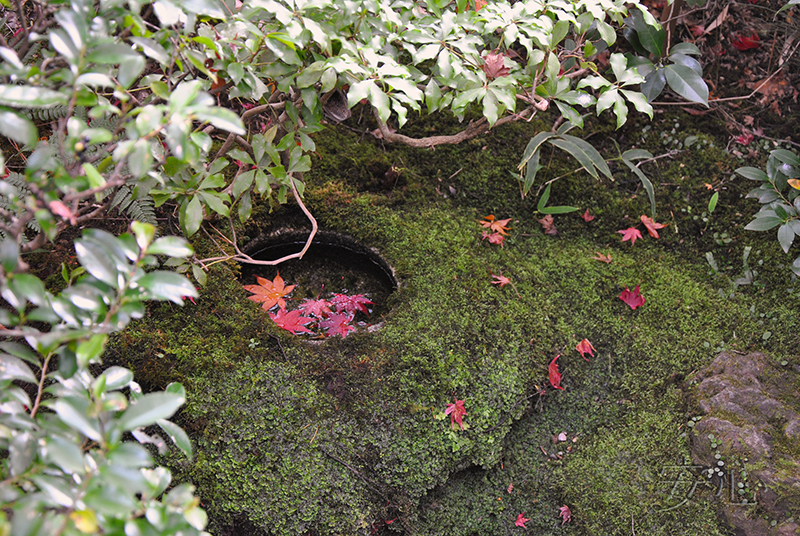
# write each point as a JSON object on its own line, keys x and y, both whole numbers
{"x": 337, "y": 437}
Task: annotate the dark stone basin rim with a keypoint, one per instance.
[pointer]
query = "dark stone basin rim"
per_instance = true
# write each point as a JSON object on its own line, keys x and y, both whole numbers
{"x": 259, "y": 248}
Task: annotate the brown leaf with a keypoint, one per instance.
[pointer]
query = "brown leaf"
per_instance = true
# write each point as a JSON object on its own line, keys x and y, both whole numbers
{"x": 602, "y": 258}
{"x": 548, "y": 225}
{"x": 493, "y": 65}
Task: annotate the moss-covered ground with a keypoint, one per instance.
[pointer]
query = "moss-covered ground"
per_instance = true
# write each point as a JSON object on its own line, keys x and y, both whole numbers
{"x": 350, "y": 436}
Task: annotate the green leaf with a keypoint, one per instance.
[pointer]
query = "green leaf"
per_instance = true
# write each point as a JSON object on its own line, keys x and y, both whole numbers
{"x": 242, "y": 183}
{"x": 561, "y": 209}
{"x": 648, "y": 186}
{"x": 117, "y": 378}
{"x": 193, "y": 215}
{"x": 712, "y": 204}
{"x": 199, "y": 274}
{"x": 651, "y": 37}
{"x": 91, "y": 350}
{"x": 9, "y": 254}
{"x": 787, "y": 157}
{"x": 785, "y": 237}
{"x": 29, "y": 286}
{"x": 222, "y": 118}
{"x": 171, "y": 246}
{"x": 177, "y": 435}
{"x": 591, "y": 153}
{"x": 74, "y": 412}
{"x": 687, "y": 83}
{"x": 358, "y": 92}
{"x": 545, "y": 197}
{"x": 111, "y": 54}
{"x": 162, "y": 285}
{"x": 149, "y": 409}
{"x": 763, "y": 223}
{"x": 245, "y": 207}
{"x": 65, "y": 454}
{"x": 13, "y": 368}
{"x": 95, "y": 259}
{"x": 533, "y": 147}
{"x": 18, "y": 128}
{"x": 215, "y": 202}
{"x": 31, "y": 97}
{"x": 380, "y": 101}
{"x": 21, "y": 450}
{"x": 754, "y": 174}
{"x": 152, "y": 49}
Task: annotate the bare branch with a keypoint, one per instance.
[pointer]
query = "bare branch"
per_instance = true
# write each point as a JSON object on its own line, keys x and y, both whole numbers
{"x": 475, "y": 128}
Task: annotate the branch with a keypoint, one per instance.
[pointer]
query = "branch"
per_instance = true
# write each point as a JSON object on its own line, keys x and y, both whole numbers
{"x": 475, "y": 128}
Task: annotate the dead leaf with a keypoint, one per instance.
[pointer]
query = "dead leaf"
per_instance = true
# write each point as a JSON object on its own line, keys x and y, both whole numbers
{"x": 494, "y": 65}
{"x": 548, "y": 225}
{"x": 602, "y": 258}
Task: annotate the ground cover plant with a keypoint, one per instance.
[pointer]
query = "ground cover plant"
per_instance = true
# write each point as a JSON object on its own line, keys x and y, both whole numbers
{"x": 205, "y": 113}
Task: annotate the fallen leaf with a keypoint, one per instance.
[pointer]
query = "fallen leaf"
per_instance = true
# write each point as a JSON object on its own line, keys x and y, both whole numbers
{"x": 742, "y": 42}
{"x": 562, "y": 437}
{"x": 745, "y": 138}
{"x": 269, "y": 293}
{"x": 602, "y": 258}
{"x": 500, "y": 280}
{"x": 494, "y": 65}
{"x": 554, "y": 375}
{"x": 548, "y": 226}
{"x": 652, "y": 226}
{"x": 510, "y": 487}
{"x": 633, "y": 298}
{"x": 479, "y": 4}
{"x": 631, "y": 233}
{"x": 350, "y": 303}
{"x": 586, "y": 216}
{"x": 494, "y": 238}
{"x": 585, "y": 347}
{"x": 337, "y": 324}
{"x": 456, "y": 412}
{"x": 566, "y": 515}
{"x": 291, "y": 321}
{"x": 318, "y": 308}
{"x": 497, "y": 226}
{"x": 520, "y": 522}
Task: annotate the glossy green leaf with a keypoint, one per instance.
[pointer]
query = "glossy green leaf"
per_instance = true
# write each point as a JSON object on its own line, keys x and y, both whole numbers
{"x": 687, "y": 83}
{"x": 763, "y": 223}
{"x": 162, "y": 285}
{"x": 712, "y": 204}
{"x": 177, "y": 435}
{"x": 74, "y": 412}
{"x": 95, "y": 259}
{"x": 785, "y": 237}
{"x": 222, "y": 118}
{"x": 13, "y": 368}
{"x": 21, "y": 451}
{"x": 591, "y": 153}
{"x": 648, "y": 186}
{"x": 18, "y": 128}
{"x": 31, "y": 97}
{"x": 752, "y": 173}
{"x": 65, "y": 454}
{"x": 651, "y": 37}
{"x": 215, "y": 202}
{"x": 149, "y": 409}
{"x": 91, "y": 350}
{"x": 117, "y": 378}
{"x": 152, "y": 49}
{"x": 171, "y": 246}
{"x": 193, "y": 215}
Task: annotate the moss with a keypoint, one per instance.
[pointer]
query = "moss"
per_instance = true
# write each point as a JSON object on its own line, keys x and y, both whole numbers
{"x": 343, "y": 436}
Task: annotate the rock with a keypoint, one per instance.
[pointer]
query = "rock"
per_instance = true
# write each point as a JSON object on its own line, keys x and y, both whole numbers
{"x": 751, "y": 411}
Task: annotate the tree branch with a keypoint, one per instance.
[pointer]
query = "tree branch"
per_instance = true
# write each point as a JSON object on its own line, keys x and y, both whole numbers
{"x": 475, "y": 128}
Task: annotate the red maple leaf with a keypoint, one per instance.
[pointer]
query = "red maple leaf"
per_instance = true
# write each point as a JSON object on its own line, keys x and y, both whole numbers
{"x": 566, "y": 515}
{"x": 494, "y": 238}
{"x": 269, "y": 293}
{"x": 652, "y": 226}
{"x": 520, "y": 522}
{"x": 456, "y": 412}
{"x": 587, "y": 217}
{"x": 585, "y": 347}
{"x": 555, "y": 376}
{"x": 633, "y": 299}
{"x": 494, "y": 66}
{"x": 602, "y": 258}
{"x": 548, "y": 226}
{"x": 497, "y": 226}
{"x": 337, "y": 324}
{"x": 350, "y": 304}
{"x": 742, "y": 42}
{"x": 291, "y": 321}
{"x": 631, "y": 233}
{"x": 500, "y": 280}
{"x": 318, "y": 308}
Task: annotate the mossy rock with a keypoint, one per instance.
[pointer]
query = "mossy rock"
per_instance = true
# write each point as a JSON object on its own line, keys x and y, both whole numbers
{"x": 345, "y": 436}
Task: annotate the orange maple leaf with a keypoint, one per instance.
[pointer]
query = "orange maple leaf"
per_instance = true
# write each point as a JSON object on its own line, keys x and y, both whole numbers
{"x": 500, "y": 280}
{"x": 269, "y": 293}
{"x": 652, "y": 226}
{"x": 602, "y": 258}
{"x": 497, "y": 226}
{"x": 631, "y": 233}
